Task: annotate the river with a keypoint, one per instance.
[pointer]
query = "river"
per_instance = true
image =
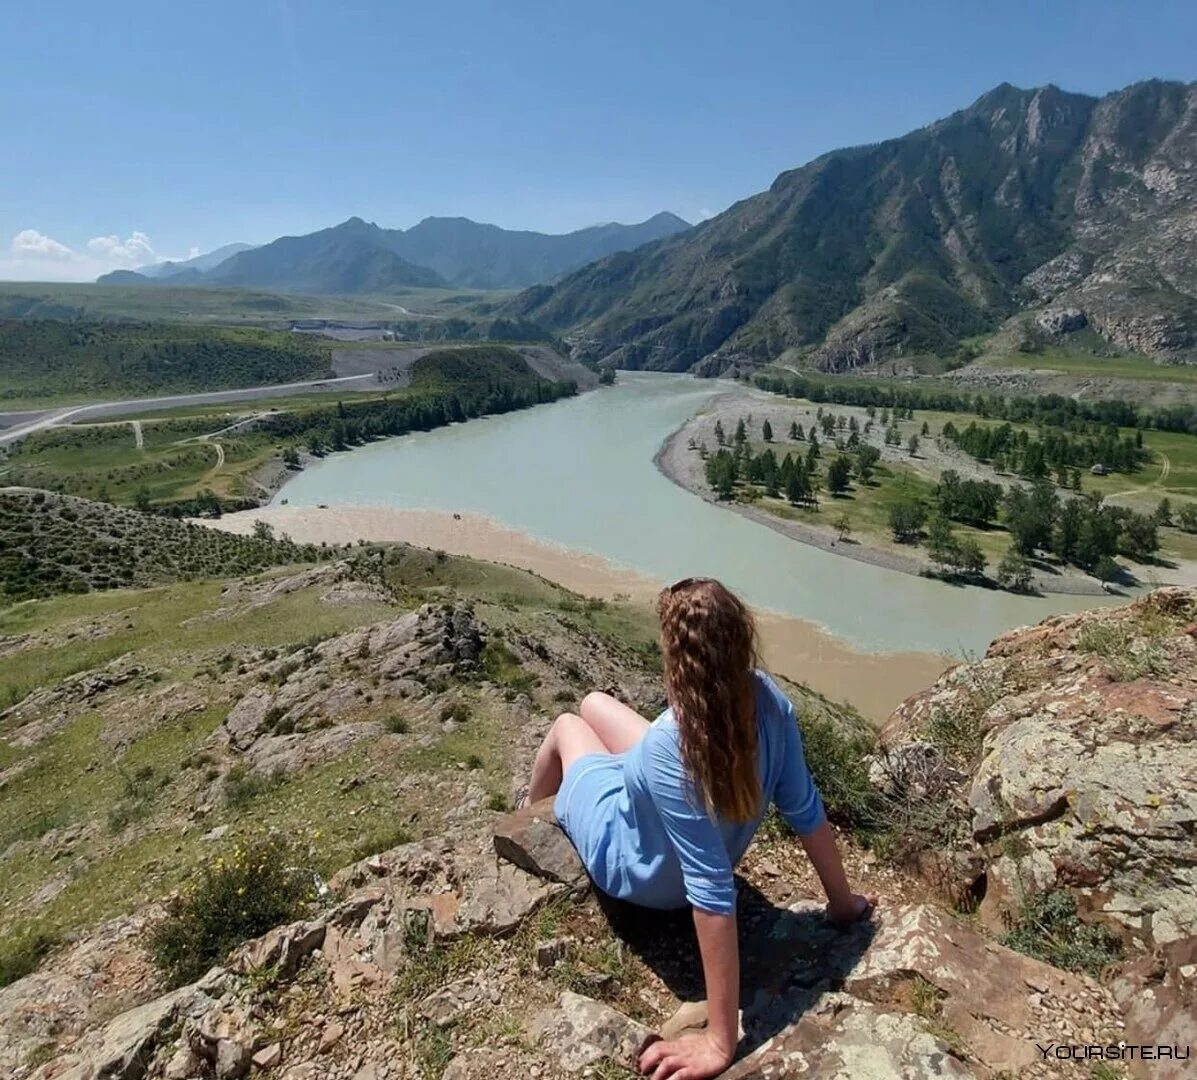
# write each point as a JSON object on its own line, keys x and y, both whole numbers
{"x": 580, "y": 474}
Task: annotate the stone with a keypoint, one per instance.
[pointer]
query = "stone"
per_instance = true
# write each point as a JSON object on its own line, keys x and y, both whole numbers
{"x": 1158, "y": 994}
{"x": 232, "y": 1059}
{"x": 268, "y": 1057}
{"x": 532, "y": 840}
{"x": 119, "y": 1048}
{"x": 1087, "y": 775}
{"x": 281, "y": 950}
{"x": 551, "y": 952}
{"x": 849, "y": 1039}
{"x": 580, "y": 1032}
{"x": 330, "y": 1036}
{"x": 452, "y": 1001}
{"x": 184, "y": 1063}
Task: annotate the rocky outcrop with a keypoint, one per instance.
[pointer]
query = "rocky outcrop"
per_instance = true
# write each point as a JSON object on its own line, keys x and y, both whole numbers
{"x": 290, "y": 722}
{"x": 1085, "y": 772}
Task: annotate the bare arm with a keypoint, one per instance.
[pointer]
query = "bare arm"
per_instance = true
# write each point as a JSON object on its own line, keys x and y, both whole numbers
{"x": 708, "y": 1053}
{"x": 720, "y": 949}
{"x": 843, "y": 905}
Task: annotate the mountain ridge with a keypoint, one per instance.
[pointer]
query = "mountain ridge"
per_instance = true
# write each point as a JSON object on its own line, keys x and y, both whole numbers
{"x": 359, "y": 256}
{"x": 1024, "y": 201}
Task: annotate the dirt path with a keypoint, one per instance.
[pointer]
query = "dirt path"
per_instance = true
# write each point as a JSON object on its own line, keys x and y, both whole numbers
{"x": 138, "y": 440}
{"x": 1165, "y": 469}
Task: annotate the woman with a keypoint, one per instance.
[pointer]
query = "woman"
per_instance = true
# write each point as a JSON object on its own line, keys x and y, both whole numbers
{"x": 661, "y": 813}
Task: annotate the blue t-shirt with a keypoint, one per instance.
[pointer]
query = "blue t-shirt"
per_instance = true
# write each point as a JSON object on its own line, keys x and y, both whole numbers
{"x": 644, "y": 836}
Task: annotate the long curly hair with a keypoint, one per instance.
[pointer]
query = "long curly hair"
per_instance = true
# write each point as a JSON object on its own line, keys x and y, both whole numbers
{"x": 708, "y": 639}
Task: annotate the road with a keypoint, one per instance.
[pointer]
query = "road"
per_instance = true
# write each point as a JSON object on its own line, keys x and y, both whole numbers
{"x": 55, "y": 417}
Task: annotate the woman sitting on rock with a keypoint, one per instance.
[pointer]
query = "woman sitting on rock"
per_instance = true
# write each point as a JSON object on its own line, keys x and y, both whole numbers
{"x": 661, "y": 813}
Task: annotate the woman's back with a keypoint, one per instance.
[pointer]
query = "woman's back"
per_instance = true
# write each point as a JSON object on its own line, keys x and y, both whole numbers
{"x": 655, "y": 845}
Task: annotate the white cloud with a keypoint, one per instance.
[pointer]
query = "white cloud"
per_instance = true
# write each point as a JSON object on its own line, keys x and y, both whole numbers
{"x": 136, "y": 250}
{"x": 34, "y": 256}
{"x": 704, "y": 213}
{"x": 31, "y": 244}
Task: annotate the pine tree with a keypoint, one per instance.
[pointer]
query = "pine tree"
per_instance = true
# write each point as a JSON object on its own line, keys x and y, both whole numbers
{"x": 795, "y": 430}
{"x": 767, "y": 431}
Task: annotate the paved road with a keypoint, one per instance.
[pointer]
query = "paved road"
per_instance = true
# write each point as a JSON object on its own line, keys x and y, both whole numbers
{"x": 29, "y": 423}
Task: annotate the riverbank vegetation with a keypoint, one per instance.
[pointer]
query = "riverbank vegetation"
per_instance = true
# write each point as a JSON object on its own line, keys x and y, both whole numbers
{"x": 207, "y": 458}
{"x": 970, "y": 527}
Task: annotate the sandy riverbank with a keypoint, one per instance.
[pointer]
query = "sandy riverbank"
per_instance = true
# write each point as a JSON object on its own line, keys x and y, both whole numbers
{"x": 803, "y": 651}
{"x": 686, "y": 468}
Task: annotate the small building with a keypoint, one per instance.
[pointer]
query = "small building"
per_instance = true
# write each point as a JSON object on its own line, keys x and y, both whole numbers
{"x": 1099, "y": 470}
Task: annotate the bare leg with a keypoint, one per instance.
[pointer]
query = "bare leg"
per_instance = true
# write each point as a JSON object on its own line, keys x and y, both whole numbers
{"x": 568, "y": 739}
{"x": 619, "y": 727}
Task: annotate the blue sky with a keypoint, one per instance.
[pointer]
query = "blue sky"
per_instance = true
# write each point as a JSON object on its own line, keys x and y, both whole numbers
{"x": 137, "y": 130}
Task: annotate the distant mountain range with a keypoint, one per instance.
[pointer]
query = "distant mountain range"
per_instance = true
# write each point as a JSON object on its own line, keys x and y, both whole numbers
{"x": 199, "y": 263}
{"x": 1039, "y": 212}
{"x": 360, "y": 257}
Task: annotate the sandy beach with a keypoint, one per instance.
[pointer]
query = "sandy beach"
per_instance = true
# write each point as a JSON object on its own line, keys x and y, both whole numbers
{"x": 800, "y": 650}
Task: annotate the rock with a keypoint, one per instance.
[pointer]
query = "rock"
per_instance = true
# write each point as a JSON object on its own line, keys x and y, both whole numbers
{"x": 1087, "y": 775}
{"x": 121, "y": 1048}
{"x": 330, "y": 1036}
{"x": 580, "y": 1032}
{"x": 183, "y": 1064}
{"x": 532, "y": 840}
{"x": 550, "y": 953}
{"x": 1159, "y": 995}
{"x": 219, "y": 833}
{"x": 232, "y": 1059}
{"x": 268, "y": 1057}
{"x": 850, "y": 1039}
{"x": 690, "y": 1016}
{"x": 281, "y": 950}
{"x": 1058, "y": 321}
{"x": 452, "y": 1001}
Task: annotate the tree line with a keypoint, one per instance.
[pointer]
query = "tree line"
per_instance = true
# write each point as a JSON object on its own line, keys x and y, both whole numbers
{"x": 1053, "y": 410}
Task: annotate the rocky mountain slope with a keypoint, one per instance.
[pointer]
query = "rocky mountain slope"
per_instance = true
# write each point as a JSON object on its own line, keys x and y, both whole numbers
{"x": 1077, "y": 211}
{"x": 360, "y": 257}
{"x": 372, "y": 713}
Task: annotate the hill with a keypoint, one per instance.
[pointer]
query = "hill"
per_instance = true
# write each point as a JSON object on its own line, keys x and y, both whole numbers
{"x": 1066, "y": 210}
{"x": 51, "y": 358}
{"x": 57, "y": 543}
{"x": 252, "y": 825}
{"x": 360, "y": 257}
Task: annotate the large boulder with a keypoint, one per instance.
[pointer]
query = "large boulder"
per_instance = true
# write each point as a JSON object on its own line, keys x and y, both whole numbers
{"x": 1086, "y": 773}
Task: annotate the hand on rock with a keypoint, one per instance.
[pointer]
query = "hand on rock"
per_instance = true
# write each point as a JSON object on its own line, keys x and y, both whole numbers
{"x": 691, "y": 1057}
{"x": 855, "y": 908}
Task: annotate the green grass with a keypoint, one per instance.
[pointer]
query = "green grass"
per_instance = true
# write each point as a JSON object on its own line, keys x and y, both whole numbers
{"x": 1072, "y": 362}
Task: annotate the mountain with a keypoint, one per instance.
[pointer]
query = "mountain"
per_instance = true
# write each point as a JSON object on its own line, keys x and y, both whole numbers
{"x": 1055, "y": 210}
{"x": 353, "y": 257}
{"x": 358, "y": 257}
{"x": 208, "y": 261}
{"x": 487, "y": 257}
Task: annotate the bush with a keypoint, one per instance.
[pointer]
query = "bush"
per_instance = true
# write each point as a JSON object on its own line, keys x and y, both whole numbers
{"x": 396, "y": 725}
{"x": 242, "y": 785}
{"x": 22, "y": 952}
{"x": 257, "y": 887}
{"x": 1049, "y": 929}
{"x": 838, "y": 761}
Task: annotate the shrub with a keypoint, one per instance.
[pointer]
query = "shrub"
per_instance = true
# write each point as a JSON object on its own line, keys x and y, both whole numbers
{"x": 396, "y": 725}
{"x": 22, "y": 952}
{"x": 242, "y": 785}
{"x": 1048, "y": 928}
{"x": 235, "y": 898}
{"x": 838, "y": 761}
{"x": 457, "y": 711}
